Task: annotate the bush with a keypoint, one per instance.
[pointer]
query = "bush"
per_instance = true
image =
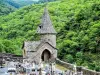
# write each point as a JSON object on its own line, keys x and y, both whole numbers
{"x": 97, "y": 68}
{"x": 70, "y": 58}
{"x": 79, "y": 55}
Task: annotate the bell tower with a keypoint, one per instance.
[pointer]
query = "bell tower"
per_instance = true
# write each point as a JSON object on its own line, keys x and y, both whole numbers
{"x": 46, "y": 29}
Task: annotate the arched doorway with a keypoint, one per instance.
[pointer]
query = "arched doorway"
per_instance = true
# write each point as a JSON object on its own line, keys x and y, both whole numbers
{"x": 46, "y": 55}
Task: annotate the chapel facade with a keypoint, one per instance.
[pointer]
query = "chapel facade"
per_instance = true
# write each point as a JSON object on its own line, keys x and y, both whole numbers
{"x": 44, "y": 49}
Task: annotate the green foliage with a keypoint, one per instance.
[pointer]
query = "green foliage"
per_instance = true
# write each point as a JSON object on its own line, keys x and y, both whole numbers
{"x": 70, "y": 58}
{"x": 5, "y": 8}
{"x": 79, "y": 58}
{"x": 43, "y": 1}
{"x": 21, "y": 3}
{"x": 79, "y": 55}
{"x": 76, "y": 21}
{"x": 8, "y": 6}
{"x": 97, "y": 68}
{"x": 1, "y": 47}
{"x": 9, "y": 46}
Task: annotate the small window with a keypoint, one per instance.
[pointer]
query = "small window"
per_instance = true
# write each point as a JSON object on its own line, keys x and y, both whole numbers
{"x": 40, "y": 27}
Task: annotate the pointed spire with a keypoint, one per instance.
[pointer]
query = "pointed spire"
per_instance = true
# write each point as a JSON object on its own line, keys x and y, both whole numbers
{"x": 46, "y": 26}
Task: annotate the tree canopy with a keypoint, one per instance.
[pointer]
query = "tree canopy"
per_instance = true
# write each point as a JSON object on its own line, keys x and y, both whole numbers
{"x": 76, "y": 21}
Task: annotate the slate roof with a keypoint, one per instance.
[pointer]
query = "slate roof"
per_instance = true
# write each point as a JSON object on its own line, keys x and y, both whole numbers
{"x": 46, "y": 24}
{"x": 31, "y": 45}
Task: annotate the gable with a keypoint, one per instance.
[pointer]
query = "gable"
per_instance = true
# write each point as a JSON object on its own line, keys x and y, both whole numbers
{"x": 45, "y": 45}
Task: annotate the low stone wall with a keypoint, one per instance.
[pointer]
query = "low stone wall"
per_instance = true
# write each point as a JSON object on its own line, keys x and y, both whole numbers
{"x": 79, "y": 68}
{"x": 10, "y": 57}
{"x": 89, "y": 72}
{"x": 65, "y": 64}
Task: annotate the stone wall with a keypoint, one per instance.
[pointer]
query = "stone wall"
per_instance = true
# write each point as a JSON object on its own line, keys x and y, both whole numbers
{"x": 89, "y": 72}
{"x": 79, "y": 68}
{"x": 65, "y": 64}
{"x": 10, "y": 57}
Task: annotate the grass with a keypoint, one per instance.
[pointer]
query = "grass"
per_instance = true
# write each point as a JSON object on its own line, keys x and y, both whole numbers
{"x": 61, "y": 67}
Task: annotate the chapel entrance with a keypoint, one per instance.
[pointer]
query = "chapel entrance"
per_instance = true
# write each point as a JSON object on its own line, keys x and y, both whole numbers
{"x": 46, "y": 55}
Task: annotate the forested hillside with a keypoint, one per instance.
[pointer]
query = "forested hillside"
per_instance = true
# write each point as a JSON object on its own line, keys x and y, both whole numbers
{"x": 22, "y": 3}
{"x": 8, "y": 6}
{"x": 43, "y": 1}
{"x": 5, "y": 8}
{"x": 76, "y": 21}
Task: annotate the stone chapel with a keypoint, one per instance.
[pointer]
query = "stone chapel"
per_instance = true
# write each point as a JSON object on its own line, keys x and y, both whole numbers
{"x": 44, "y": 49}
